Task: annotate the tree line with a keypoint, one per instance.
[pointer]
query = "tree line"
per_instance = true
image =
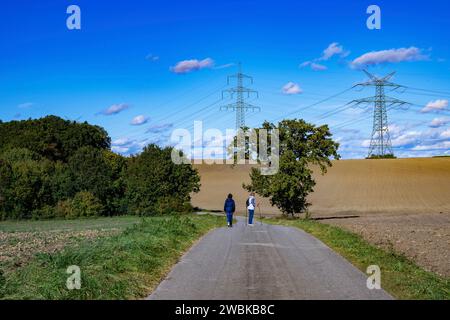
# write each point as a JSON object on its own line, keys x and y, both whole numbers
{"x": 51, "y": 167}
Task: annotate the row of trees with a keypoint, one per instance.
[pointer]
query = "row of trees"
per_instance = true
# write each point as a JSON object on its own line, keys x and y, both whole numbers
{"x": 50, "y": 167}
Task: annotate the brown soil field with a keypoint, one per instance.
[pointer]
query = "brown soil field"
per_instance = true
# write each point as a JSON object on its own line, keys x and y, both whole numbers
{"x": 403, "y": 204}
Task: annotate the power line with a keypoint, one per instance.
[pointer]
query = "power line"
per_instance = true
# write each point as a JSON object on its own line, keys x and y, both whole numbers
{"x": 380, "y": 143}
{"x": 314, "y": 104}
{"x": 240, "y": 106}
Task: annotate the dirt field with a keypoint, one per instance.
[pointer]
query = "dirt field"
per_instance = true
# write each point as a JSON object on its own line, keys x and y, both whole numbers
{"x": 402, "y": 204}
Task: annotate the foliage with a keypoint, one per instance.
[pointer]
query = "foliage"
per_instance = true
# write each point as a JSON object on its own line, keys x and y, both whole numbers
{"x": 386, "y": 156}
{"x": 50, "y": 167}
{"x": 302, "y": 145}
{"x": 52, "y": 137}
{"x": 84, "y": 204}
{"x": 90, "y": 172}
{"x": 152, "y": 179}
{"x": 29, "y": 188}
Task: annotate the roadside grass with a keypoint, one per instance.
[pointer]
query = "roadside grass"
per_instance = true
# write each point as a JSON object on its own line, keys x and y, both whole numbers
{"x": 401, "y": 277}
{"x": 119, "y": 222}
{"x": 128, "y": 265}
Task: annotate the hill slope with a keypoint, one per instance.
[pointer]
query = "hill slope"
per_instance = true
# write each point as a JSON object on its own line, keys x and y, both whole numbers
{"x": 420, "y": 185}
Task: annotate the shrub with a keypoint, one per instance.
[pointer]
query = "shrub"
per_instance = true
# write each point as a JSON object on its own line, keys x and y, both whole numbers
{"x": 152, "y": 179}
{"x": 46, "y": 212}
{"x": 29, "y": 188}
{"x": 5, "y": 182}
{"x": 168, "y": 205}
{"x": 84, "y": 204}
{"x": 63, "y": 208}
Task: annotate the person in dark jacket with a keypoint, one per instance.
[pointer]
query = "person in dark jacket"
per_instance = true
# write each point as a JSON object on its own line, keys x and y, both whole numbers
{"x": 229, "y": 207}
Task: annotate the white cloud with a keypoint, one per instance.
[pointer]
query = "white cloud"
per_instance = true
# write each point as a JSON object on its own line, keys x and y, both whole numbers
{"x": 291, "y": 88}
{"x": 128, "y": 146}
{"x": 25, "y": 105}
{"x": 159, "y": 128}
{"x": 390, "y": 56}
{"x": 224, "y": 66}
{"x": 406, "y": 138}
{"x": 187, "y": 66}
{"x": 366, "y": 143}
{"x": 439, "y": 122}
{"x": 115, "y": 109}
{"x": 122, "y": 142}
{"x": 444, "y": 145}
{"x": 445, "y": 134}
{"x": 152, "y": 57}
{"x": 436, "y": 105}
{"x": 139, "y": 120}
{"x": 332, "y": 50}
{"x": 313, "y": 65}
{"x": 318, "y": 67}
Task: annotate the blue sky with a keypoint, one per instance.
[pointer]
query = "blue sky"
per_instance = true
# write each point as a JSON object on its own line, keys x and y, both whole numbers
{"x": 167, "y": 62}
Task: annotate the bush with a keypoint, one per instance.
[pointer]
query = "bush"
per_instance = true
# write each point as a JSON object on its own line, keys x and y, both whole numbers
{"x": 168, "y": 205}
{"x": 63, "y": 208}
{"x": 5, "y": 182}
{"x": 84, "y": 204}
{"x": 46, "y": 212}
{"x": 29, "y": 188}
{"x": 153, "y": 181}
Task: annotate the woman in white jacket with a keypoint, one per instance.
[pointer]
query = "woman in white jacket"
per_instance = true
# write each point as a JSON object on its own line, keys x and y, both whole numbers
{"x": 251, "y": 205}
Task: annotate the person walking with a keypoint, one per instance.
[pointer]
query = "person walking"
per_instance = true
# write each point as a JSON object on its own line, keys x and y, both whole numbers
{"x": 229, "y": 207}
{"x": 251, "y": 205}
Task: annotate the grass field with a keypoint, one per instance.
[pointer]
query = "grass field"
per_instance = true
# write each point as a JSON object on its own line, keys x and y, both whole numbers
{"x": 119, "y": 258}
{"x": 399, "y": 276}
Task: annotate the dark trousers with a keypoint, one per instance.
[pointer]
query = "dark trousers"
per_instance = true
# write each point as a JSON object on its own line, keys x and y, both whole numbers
{"x": 250, "y": 216}
{"x": 230, "y": 218}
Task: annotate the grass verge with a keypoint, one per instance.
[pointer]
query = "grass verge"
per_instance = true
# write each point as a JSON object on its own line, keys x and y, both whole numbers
{"x": 128, "y": 265}
{"x": 401, "y": 277}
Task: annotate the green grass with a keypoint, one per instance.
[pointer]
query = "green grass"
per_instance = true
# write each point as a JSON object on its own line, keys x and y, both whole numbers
{"x": 399, "y": 276}
{"x": 120, "y": 222}
{"x": 125, "y": 266}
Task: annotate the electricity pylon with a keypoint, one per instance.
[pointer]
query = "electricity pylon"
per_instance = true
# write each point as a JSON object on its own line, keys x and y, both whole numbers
{"x": 240, "y": 106}
{"x": 380, "y": 143}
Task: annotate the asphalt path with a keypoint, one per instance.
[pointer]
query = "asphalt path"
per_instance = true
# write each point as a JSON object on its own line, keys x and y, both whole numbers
{"x": 263, "y": 262}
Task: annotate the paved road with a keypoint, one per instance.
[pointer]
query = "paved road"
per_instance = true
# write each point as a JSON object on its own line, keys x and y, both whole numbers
{"x": 263, "y": 262}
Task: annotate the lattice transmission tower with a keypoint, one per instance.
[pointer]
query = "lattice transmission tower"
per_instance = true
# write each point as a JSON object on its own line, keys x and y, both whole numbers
{"x": 380, "y": 143}
{"x": 240, "y": 106}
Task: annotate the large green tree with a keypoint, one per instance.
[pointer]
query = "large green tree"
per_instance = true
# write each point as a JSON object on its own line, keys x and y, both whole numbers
{"x": 302, "y": 148}
{"x": 152, "y": 180}
{"x": 52, "y": 137}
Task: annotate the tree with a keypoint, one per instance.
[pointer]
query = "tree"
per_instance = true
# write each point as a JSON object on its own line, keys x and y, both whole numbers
{"x": 152, "y": 179}
{"x": 90, "y": 172}
{"x": 302, "y": 146}
{"x": 52, "y": 137}
{"x": 5, "y": 182}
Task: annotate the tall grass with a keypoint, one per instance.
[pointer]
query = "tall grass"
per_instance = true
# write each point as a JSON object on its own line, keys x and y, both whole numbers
{"x": 125, "y": 266}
